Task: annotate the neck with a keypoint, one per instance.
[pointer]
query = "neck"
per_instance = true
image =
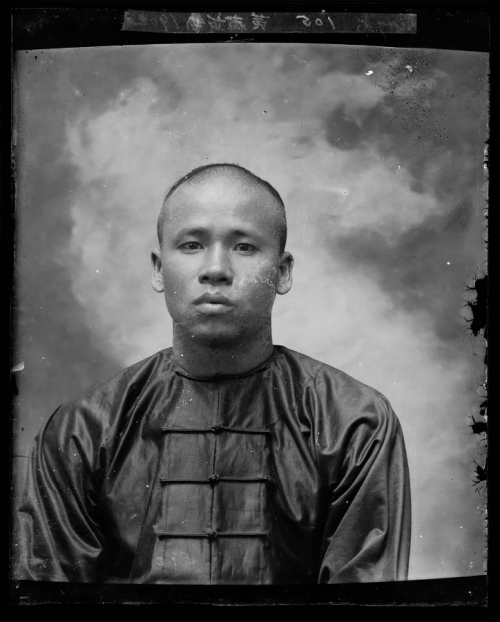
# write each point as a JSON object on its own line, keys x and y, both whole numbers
{"x": 210, "y": 359}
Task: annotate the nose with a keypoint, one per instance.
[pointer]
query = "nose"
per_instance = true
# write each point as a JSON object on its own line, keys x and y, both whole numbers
{"x": 216, "y": 267}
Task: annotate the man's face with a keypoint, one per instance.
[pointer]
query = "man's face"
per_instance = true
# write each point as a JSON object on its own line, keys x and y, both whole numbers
{"x": 220, "y": 266}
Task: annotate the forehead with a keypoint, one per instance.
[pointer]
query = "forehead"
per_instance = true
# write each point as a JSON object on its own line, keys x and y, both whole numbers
{"x": 222, "y": 197}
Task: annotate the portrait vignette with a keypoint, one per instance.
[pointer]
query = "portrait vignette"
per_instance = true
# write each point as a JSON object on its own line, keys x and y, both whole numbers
{"x": 78, "y": 321}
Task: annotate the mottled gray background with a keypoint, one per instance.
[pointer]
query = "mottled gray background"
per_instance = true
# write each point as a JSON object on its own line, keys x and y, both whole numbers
{"x": 378, "y": 154}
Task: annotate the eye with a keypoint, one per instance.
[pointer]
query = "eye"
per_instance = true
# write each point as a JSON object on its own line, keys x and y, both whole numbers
{"x": 190, "y": 247}
{"x": 243, "y": 247}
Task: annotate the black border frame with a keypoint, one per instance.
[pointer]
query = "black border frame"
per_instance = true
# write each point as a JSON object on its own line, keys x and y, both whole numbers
{"x": 455, "y": 25}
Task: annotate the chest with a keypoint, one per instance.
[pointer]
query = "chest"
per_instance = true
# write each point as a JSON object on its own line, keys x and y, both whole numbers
{"x": 231, "y": 484}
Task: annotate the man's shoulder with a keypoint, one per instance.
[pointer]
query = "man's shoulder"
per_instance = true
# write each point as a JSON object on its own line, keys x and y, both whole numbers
{"x": 100, "y": 413}
{"x": 118, "y": 393}
{"x": 311, "y": 369}
{"x": 133, "y": 377}
{"x": 333, "y": 388}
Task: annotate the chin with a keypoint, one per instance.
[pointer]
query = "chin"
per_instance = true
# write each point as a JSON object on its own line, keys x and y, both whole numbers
{"x": 217, "y": 338}
{"x": 221, "y": 334}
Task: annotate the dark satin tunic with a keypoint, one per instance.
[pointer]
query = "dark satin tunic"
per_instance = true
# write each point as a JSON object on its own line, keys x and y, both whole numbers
{"x": 292, "y": 473}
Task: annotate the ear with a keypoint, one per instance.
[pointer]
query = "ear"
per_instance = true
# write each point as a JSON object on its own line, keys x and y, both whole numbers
{"x": 284, "y": 283}
{"x": 157, "y": 276}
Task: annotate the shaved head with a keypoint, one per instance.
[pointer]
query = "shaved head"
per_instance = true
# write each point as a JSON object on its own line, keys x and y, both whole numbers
{"x": 237, "y": 173}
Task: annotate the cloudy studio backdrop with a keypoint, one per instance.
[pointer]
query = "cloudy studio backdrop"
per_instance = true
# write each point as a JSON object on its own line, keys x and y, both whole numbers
{"x": 378, "y": 154}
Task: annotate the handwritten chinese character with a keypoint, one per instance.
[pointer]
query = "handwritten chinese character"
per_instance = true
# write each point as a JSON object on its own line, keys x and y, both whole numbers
{"x": 259, "y": 21}
{"x": 138, "y": 18}
{"x": 164, "y": 19}
{"x": 195, "y": 22}
{"x": 235, "y": 23}
{"x": 215, "y": 23}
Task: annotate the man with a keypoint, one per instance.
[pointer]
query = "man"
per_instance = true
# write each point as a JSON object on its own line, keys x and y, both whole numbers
{"x": 224, "y": 459}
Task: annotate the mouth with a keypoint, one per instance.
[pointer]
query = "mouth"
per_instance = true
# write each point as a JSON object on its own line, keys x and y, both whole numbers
{"x": 213, "y": 299}
{"x": 213, "y": 303}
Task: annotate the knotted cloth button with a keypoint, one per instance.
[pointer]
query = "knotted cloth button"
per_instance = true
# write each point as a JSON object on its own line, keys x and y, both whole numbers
{"x": 213, "y": 479}
{"x": 211, "y": 535}
{"x": 217, "y": 429}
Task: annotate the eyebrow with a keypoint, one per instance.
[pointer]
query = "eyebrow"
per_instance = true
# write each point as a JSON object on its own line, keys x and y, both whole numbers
{"x": 190, "y": 231}
{"x": 194, "y": 231}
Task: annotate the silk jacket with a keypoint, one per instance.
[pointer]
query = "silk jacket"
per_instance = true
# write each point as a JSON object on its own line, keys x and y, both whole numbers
{"x": 292, "y": 473}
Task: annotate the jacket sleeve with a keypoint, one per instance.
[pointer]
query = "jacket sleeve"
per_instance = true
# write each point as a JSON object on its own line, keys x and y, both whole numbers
{"x": 56, "y": 533}
{"x": 367, "y": 532}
